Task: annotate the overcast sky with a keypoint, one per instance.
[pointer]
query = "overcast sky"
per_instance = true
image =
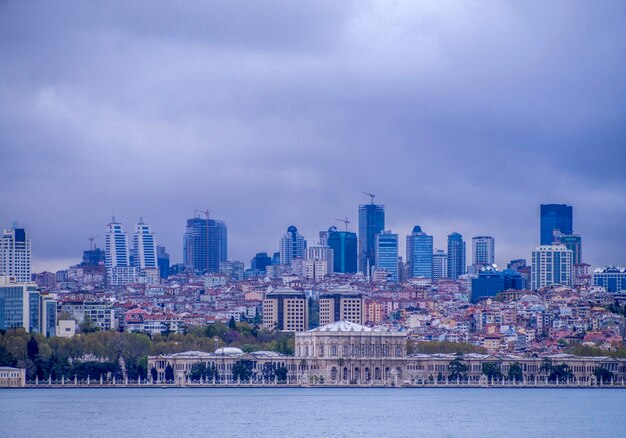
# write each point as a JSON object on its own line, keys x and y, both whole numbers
{"x": 458, "y": 116}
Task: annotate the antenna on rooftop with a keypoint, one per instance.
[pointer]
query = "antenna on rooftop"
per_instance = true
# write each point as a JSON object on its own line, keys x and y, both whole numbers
{"x": 371, "y": 195}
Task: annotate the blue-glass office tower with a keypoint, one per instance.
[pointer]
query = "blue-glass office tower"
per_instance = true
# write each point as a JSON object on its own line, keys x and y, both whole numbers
{"x": 555, "y": 217}
{"x": 19, "y": 307}
{"x": 163, "y": 260}
{"x": 573, "y": 243}
{"x": 344, "y": 245}
{"x": 456, "y": 256}
{"x": 419, "y": 253}
{"x": 205, "y": 244}
{"x": 371, "y": 223}
{"x": 490, "y": 282}
{"x": 387, "y": 253}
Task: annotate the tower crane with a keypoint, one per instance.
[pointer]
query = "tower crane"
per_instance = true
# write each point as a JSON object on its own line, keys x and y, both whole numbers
{"x": 371, "y": 195}
{"x": 91, "y": 239}
{"x": 345, "y": 221}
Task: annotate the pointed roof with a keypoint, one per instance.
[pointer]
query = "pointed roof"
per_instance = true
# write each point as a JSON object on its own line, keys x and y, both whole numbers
{"x": 342, "y": 326}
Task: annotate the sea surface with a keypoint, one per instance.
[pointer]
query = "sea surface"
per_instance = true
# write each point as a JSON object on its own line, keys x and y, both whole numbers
{"x": 312, "y": 412}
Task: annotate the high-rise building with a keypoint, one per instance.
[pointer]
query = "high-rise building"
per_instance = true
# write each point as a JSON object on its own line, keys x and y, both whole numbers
{"x": 456, "y": 256}
{"x": 15, "y": 254}
{"x": 116, "y": 246}
{"x": 321, "y": 253}
{"x": 93, "y": 257}
{"x": 572, "y": 242}
{"x": 387, "y": 254}
{"x": 551, "y": 264}
{"x": 163, "y": 261}
{"x": 286, "y": 310}
{"x": 205, "y": 244}
{"x": 345, "y": 246}
{"x": 440, "y": 265}
{"x": 144, "y": 247}
{"x": 292, "y": 246}
{"x": 490, "y": 282}
{"x": 341, "y": 305}
{"x": 22, "y": 306}
{"x": 260, "y": 262}
{"x": 419, "y": 253}
{"x": 483, "y": 251}
{"x": 555, "y": 217}
{"x": 371, "y": 223}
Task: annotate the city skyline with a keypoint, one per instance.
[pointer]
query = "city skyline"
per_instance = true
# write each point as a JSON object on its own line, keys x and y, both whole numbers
{"x": 457, "y": 118}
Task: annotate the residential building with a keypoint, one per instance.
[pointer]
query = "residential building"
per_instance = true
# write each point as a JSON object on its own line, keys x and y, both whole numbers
{"x": 205, "y": 245}
{"x": 371, "y": 223}
{"x": 555, "y": 217}
{"x": 456, "y": 256}
{"x": 387, "y": 254}
{"x": 15, "y": 254}
{"x": 100, "y": 314}
{"x": 286, "y": 309}
{"x": 321, "y": 253}
{"x": 144, "y": 247}
{"x": 551, "y": 264}
{"x": 419, "y": 253}
{"x": 232, "y": 269}
{"x": 292, "y": 246}
{"x": 345, "y": 250}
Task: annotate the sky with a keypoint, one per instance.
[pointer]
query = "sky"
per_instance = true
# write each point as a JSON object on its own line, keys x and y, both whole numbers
{"x": 458, "y": 116}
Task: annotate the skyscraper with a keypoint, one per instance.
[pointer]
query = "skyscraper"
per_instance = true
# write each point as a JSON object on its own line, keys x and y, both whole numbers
{"x": 456, "y": 256}
{"x": 440, "y": 264}
{"x": 572, "y": 242}
{"x": 387, "y": 253}
{"x": 555, "y": 217}
{"x": 144, "y": 247}
{"x": 371, "y": 223}
{"x": 205, "y": 244}
{"x": 292, "y": 246}
{"x": 344, "y": 245}
{"x": 15, "y": 254}
{"x": 260, "y": 261}
{"x": 163, "y": 260}
{"x": 419, "y": 253}
{"x": 551, "y": 264}
{"x": 116, "y": 246}
{"x": 483, "y": 251}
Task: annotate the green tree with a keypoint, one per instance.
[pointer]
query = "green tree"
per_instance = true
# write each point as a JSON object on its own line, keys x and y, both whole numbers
{"x": 516, "y": 373}
{"x": 169, "y": 373}
{"x": 154, "y": 374}
{"x": 281, "y": 374}
{"x": 198, "y": 371}
{"x": 546, "y": 366}
{"x": 603, "y": 375}
{"x": 242, "y": 370}
{"x": 457, "y": 369}
{"x": 6, "y": 358}
{"x": 32, "y": 348}
{"x": 492, "y": 370}
{"x": 232, "y": 324}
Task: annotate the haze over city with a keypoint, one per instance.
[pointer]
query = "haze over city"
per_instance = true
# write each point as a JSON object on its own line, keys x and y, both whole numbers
{"x": 281, "y": 113}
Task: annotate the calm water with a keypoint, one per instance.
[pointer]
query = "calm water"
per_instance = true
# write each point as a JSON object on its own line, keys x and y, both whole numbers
{"x": 327, "y": 412}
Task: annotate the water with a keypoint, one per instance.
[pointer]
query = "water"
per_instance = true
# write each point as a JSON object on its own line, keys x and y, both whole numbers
{"x": 318, "y": 412}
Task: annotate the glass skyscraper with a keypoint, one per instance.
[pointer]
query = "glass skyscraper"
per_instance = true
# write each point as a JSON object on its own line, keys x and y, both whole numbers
{"x": 205, "y": 244}
{"x": 419, "y": 253}
{"x": 387, "y": 253}
{"x": 555, "y": 217}
{"x": 344, "y": 245}
{"x": 371, "y": 223}
{"x": 456, "y": 256}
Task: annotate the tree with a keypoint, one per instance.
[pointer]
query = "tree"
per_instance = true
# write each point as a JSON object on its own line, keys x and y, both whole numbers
{"x": 340, "y": 362}
{"x": 546, "y": 366}
{"x": 492, "y": 370}
{"x": 516, "y": 372}
{"x": 32, "y": 348}
{"x": 457, "y": 369}
{"x": 603, "y": 375}
{"x": 232, "y": 324}
{"x": 6, "y": 358}
{"x": 169, "y": 373}
{"x": 281, "y": 374}
{"x": 198, "y": 371}
{"x": 561, "y": 373}
{"x": 242, "y": 370}
{"x": 154, "y": 374}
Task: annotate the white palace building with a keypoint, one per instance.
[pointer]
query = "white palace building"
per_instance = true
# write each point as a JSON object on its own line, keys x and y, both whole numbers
{"x": 344, "y": 353}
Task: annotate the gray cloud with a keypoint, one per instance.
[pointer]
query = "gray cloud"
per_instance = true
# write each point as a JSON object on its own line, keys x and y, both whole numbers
{"x": 275, "y": 113}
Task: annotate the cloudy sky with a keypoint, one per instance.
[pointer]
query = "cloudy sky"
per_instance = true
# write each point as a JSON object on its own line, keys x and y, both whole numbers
{"x": 459, "y": 116}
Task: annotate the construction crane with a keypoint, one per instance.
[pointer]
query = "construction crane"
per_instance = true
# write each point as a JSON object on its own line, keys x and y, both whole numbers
{"x": 91, "y": 239}
{"x": 345, "y": 221}
{"x": 206, "y": 213}
{"x": 371, "y": 195}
